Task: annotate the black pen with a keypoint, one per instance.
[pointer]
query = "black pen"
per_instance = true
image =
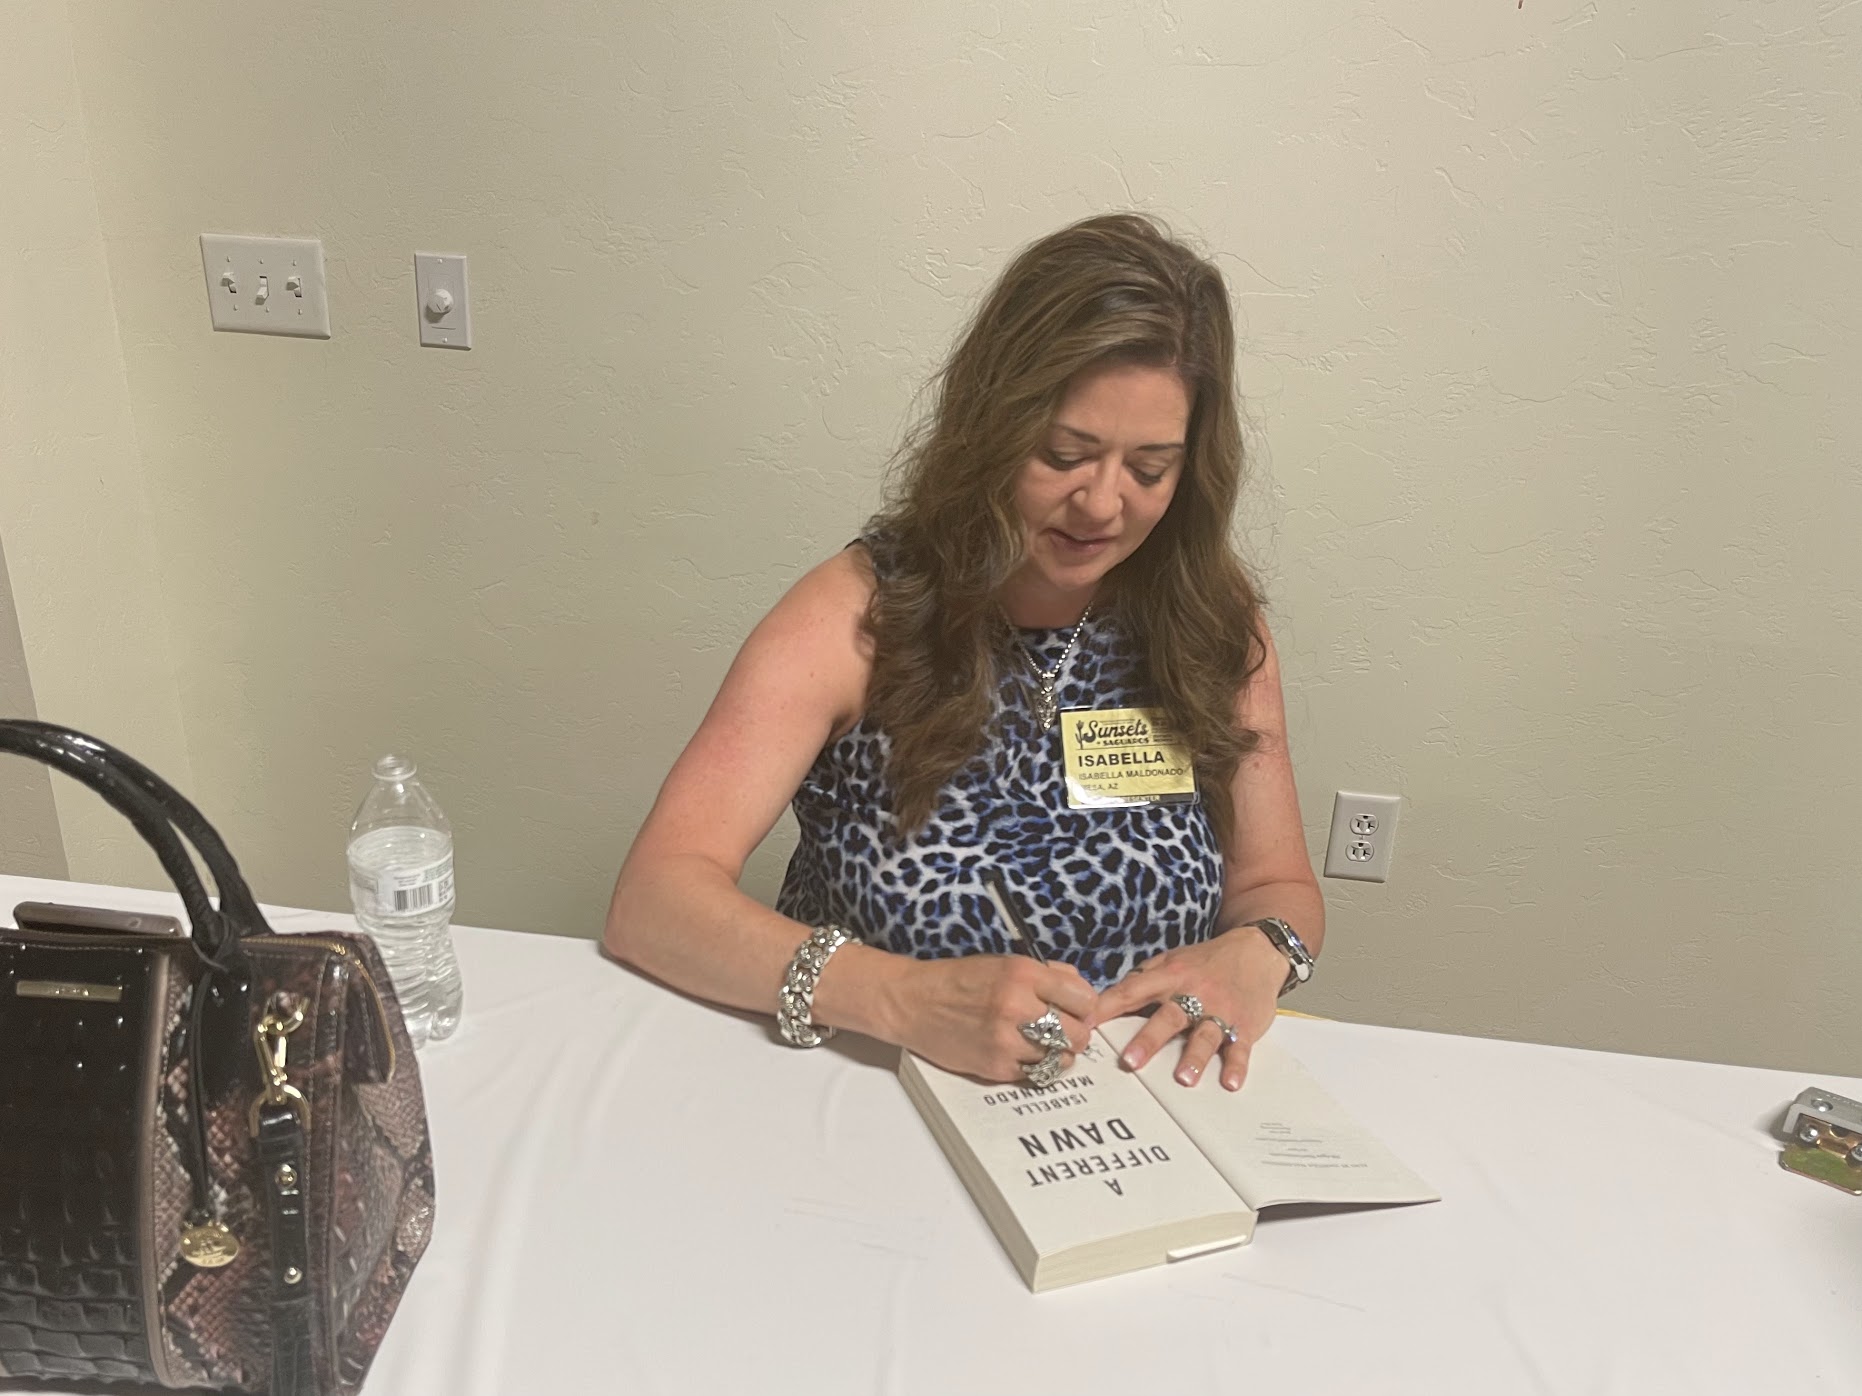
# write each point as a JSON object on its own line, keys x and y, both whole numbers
{"x": 998, "y": 888}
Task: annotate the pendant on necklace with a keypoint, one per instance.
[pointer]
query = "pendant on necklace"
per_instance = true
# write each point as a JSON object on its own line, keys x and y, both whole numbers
{"x": 1046, "y": 711}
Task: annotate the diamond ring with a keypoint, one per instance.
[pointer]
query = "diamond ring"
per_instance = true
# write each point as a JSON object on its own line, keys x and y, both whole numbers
{"x": 1191, "y": 1005}
{"x": 1046, "y": 1030}
{"x": 1229, "y": 1034}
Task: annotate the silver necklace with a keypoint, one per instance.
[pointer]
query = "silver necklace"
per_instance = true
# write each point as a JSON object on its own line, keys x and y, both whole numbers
{"x": 1046, "y": 710}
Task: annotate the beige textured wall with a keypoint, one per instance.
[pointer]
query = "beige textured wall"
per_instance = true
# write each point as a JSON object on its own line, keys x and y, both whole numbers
{"x": 1547, "y": 356}
{"x": 31, "y": 843}
{"x": 73, "y": 510}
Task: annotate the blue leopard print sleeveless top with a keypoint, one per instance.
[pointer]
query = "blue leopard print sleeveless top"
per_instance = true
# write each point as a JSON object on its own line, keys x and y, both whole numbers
{"x": 1100, "y": 889}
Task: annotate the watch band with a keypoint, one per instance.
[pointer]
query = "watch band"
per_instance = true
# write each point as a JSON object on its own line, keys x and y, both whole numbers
{"x": 1286, "y": 940}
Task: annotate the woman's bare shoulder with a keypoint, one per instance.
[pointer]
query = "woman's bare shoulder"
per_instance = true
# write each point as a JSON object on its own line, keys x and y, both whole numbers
{"x": 812, "y": 652}
{"x": 832, "y": 597}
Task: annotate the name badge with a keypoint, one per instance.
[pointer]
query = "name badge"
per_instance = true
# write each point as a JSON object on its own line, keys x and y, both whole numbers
{"x": 1119, "y": 758}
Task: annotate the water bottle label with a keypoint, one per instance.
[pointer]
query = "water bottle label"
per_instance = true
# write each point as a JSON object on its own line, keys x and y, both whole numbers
{"x": 408, "y": 891}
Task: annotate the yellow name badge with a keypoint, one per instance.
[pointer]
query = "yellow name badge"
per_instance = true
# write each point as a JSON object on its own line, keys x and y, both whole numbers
{"x": 1118, "y": 758}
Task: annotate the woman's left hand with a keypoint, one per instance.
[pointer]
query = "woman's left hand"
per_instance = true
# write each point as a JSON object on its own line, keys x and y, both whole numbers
{"x": 1237, "y": 978}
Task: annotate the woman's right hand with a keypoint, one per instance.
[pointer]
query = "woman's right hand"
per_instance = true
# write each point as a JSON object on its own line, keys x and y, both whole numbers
{"x": 966, "y": 1014}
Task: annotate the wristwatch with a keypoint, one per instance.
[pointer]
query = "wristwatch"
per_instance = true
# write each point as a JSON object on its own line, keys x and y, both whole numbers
{"x": 1286, "y": 940}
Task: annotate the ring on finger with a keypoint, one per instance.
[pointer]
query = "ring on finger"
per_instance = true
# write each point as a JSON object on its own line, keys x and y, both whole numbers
{"x": 1046, "y": 1071}
{"x": 1229, "y": 1035}
{"x": 1191, "y": 1005}
{"x": 1046, "y": 1031}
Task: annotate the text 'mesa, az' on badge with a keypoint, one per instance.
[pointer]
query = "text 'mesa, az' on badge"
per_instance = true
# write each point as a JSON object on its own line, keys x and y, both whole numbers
{"x": 1117, "y": 758}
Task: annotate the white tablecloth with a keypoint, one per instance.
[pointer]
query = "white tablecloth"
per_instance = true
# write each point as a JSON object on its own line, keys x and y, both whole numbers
{"x": 642, "y": 1194}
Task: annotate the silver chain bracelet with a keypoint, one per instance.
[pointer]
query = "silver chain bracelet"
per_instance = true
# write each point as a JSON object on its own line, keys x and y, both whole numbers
{"x": 795, "y": 1004}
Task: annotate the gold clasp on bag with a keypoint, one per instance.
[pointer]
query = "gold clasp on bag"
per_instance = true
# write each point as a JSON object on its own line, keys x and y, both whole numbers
{"x": 284, "y": 1015}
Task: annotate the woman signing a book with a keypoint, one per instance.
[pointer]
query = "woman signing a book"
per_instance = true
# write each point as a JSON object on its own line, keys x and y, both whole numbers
{"x": 1030, "y": 723}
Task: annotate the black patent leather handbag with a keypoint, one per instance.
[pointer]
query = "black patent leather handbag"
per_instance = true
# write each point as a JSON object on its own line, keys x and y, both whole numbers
{"x": 215, "y": 1168}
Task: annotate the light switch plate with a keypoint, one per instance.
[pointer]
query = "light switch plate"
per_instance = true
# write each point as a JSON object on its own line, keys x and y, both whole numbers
{"x": 442, "y": 305}
{"x": 261, "y": 285}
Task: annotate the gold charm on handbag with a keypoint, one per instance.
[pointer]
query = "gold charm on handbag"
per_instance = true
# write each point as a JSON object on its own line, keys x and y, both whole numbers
{"x": 208, "y": 1245}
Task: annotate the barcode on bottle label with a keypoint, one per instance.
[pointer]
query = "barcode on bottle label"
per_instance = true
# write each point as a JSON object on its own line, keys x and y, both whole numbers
{"x": 414, "y": 898}
{"x": 404, "y": 891}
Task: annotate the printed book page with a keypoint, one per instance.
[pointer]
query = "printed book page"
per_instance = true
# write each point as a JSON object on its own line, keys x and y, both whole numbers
{"x": 1091, "y": 1157}
{"x": 1280, "y": 1138}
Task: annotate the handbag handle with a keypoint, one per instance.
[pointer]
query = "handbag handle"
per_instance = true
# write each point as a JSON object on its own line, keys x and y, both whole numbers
{"x": 157, "y": 811}
{"x": 181, "y": 812}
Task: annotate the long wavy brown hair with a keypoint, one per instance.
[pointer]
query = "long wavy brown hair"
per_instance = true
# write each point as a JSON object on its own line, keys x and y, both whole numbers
{"x": 1112, "y": 289}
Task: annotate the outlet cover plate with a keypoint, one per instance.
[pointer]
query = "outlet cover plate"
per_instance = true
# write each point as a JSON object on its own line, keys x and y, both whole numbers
{"x": 1363, "y": 836}
{"x": 261, "y": 285}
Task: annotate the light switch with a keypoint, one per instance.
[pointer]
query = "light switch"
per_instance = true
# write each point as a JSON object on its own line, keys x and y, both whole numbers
{"x": 440, "y": 289}
{"x": 265, "y": 285}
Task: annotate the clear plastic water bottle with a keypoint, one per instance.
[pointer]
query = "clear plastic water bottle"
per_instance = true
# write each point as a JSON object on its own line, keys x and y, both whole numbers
{"x": 401, "y": 885}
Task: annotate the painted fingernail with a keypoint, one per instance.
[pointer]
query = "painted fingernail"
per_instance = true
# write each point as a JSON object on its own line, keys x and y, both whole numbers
{"x": 1232, "y": 1083}
{"x": 1131, "y": 1061}
{"x": 1187, "y": 1076}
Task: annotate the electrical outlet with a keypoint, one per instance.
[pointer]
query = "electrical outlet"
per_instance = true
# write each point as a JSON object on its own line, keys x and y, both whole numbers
{"x": 1363, "y": 836}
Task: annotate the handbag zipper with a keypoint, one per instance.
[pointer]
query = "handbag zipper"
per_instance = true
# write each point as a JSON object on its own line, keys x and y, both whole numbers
{"x": 347, "y": 953}
{"x": 120, "y": 938}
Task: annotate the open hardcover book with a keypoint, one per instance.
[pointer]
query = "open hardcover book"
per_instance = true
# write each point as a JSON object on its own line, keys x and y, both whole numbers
{"x": 1109, "y": 1170}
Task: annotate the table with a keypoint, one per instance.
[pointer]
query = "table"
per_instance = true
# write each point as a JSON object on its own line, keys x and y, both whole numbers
{"x": 639, "y": 1193}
